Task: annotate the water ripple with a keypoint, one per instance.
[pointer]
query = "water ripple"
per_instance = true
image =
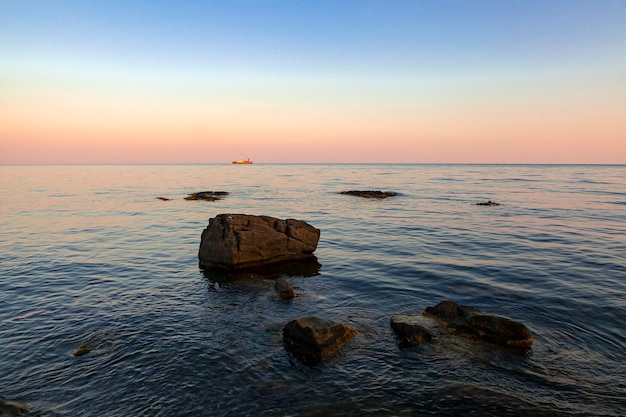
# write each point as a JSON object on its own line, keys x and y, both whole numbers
{"x": 90, "y": 258}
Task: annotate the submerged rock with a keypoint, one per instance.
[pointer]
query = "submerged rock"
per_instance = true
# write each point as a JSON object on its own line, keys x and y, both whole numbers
{"x": 473, "y": 324}
{"x": 163, "y": 198}
{"x": 311, "y": 339}
{"x": 411, "y": 330}
{"x": 11, "y": 408}
{"x": 488, "y": 203}
{"x": 239, "y": 241}
{"x": 207, "y": 195}
{"x": 82, "y": 351}
{"x": 370, "y": 193}
{"x": 284, "y": 289}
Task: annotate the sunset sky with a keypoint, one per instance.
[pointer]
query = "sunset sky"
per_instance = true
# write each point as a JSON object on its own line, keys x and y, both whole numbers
{"x": 312, "y": 81}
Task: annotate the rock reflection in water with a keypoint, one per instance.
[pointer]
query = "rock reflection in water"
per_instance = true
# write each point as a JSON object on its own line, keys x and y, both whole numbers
{"x": 306, "y": 267}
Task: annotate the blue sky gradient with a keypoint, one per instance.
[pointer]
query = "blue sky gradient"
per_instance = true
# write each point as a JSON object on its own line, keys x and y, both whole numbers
{"x": 382, "y": 56}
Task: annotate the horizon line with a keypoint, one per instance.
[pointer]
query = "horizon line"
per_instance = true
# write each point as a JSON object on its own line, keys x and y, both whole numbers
{"x": 312, "y": 163}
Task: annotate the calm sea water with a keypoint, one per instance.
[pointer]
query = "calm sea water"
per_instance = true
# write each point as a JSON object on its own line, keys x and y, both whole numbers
{"x": 90, "y": 257}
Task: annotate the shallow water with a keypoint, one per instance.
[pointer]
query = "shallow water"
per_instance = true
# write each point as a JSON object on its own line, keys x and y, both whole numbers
{"x": 90, "y": 257}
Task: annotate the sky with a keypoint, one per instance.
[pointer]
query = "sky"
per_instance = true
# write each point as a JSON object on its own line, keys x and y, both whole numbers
{"x": 312, "y": 81}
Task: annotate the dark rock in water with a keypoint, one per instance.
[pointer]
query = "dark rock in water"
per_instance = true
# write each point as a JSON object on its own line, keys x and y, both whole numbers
{"x": 410, "y": 329}
{"x": 304, "y": 267}
{"x": 488, "y": 203}
{"x": 163, "y": 199}
{"x": 284, "y": 289}
{"x": 207, "y": 195}
{"x": 370, "y": 193}
{"x": 11, "y": 408}
{"x": 82, "y": 351}
{"x": 240, "y": 241}
{"x": 500, "y": 330}
{"x": 311, "y": 339}
{"x": 473, "y": 324}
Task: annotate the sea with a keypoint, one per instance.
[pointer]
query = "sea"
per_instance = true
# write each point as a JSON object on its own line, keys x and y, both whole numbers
{"x": 91, "y": 257}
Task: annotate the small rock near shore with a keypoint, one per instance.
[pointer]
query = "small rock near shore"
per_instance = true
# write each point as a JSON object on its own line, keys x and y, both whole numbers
{"x": 284, "y": 289}
{"x": 312, "y": 340}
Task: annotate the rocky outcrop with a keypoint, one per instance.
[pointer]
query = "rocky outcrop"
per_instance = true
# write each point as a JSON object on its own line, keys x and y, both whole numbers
{"x": 284, "y": 289}
{"x": 311, "y": 339}
{"x": 207, "y": 195}
{"x": 488, "y": 203}
{"x": 370, "y": 193}
{"x": 236, "y": 241}
{"x": 11, "y": 408}
{"x": 473, "y": 324}
{"x": 448, "y": 317}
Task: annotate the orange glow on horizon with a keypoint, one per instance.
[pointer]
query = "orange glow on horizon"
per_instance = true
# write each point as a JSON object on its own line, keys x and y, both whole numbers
{"x": 92, "y": 126}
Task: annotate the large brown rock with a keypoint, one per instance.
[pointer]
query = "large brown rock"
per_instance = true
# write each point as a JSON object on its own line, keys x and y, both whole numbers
{"x": 241, "y": 240}
{"x": 311, "y": 339}
{"x": 473, "y": 324}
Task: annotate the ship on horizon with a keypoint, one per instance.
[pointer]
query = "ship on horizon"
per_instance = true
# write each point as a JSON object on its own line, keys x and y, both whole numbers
{"x": 243, "y": 162}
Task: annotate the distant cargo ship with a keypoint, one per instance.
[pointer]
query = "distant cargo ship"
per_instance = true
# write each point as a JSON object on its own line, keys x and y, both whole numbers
{"x": 243, "y": 162}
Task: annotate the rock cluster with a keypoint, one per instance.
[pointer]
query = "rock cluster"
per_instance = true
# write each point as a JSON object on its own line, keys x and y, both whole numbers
{"x": 235, "y": 242}
{"x": 370, "y": 193}
{"x": 488, "y": 203}
{"x": 240, "y": 241}
{"x": 465, "y": 321}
